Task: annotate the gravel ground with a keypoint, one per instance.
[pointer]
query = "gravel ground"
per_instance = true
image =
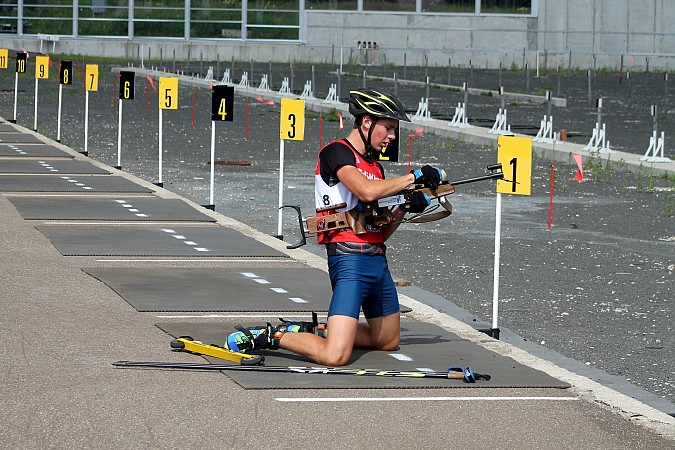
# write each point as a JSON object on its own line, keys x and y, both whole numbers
{"x": 597, "y": 287}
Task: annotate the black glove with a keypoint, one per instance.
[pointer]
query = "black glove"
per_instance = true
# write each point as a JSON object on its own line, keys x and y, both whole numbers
{"x": 429, "y": 176}
{"x": 418, "y": 203}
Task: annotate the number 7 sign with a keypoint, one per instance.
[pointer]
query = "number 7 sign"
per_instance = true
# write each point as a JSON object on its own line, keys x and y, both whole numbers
{"x": 515, "y": 156}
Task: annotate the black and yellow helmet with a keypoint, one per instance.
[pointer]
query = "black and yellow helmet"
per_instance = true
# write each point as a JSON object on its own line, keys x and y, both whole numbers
{"x": 376, "y": 103}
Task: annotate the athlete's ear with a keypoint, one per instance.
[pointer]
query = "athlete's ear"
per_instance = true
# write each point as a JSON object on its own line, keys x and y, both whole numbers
{"x": 366, "y": 122}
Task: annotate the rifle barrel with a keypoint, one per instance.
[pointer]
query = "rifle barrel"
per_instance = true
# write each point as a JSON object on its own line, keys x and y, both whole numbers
{"x": 498, "y": 175}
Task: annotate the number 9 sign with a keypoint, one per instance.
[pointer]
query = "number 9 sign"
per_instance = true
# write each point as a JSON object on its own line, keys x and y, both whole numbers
{"x": 292, "y": 126}
{"x": 515, "y": 156}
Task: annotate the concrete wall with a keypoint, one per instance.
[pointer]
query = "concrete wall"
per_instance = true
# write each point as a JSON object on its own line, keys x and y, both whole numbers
{"x": 576, "y": 33}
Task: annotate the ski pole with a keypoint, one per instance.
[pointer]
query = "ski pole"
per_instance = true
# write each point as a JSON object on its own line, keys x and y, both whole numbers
{"x": 453, "y": 373}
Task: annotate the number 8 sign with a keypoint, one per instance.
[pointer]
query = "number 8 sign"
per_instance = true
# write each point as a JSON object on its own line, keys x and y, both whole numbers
{"x": 515, "y": 156}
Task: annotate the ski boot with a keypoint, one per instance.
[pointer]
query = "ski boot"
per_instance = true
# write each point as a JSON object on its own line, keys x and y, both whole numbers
{"x": 245, "y": 340}
{"x": 290, "y": 326}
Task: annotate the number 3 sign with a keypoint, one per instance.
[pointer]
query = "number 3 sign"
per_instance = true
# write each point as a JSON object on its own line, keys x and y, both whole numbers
{"x": 292, "y": 127}
{"x": 515, "y": 156}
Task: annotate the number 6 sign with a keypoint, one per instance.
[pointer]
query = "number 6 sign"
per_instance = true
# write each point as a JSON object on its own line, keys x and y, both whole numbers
{"x": 515, "y": 156}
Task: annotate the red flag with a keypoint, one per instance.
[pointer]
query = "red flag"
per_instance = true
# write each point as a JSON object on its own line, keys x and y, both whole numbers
{"x": 152, "y": 83}
{"x": 419, "y": 131}
{"x": 631, "y": 58}
{"x": 267, "y": 102}
{"x": 339, "y": 116}
{"x": 580, "y": 173}
{"x": 27, "y": 55}
{"x": 49, "y": 59}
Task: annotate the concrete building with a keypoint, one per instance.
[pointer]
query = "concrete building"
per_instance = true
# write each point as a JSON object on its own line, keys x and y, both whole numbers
{"x": 544, "y": 33}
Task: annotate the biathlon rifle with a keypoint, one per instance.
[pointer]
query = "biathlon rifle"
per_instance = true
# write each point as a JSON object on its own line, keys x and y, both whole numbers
{"x": 378, "y": 212}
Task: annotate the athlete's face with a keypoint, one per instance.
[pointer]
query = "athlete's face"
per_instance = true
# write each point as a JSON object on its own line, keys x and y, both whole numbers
{"x": 384, "y": 131}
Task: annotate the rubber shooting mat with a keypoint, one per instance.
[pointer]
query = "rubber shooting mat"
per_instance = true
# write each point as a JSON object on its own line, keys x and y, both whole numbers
{"x": 53, "y": 167}
{"x": 423, "y": 347}
{"x": 7, "y": 128}
{"x": 69, "y": 184}
{"x": 18, "y": 138}
{"x": 33, "y": 151}
{"x": 218, "y": 289}
{"x": 108, "y": 209}
{"x": 128, "y": 240}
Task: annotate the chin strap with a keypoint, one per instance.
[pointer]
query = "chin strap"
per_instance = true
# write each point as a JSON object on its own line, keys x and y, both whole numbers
{"x": 366, "y": 142}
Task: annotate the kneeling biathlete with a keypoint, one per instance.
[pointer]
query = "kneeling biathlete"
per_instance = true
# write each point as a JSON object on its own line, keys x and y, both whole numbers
{"x": 347, "y": 173}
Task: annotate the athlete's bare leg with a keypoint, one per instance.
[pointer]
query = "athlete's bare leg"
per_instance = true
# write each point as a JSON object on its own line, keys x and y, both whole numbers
{"x": 345, "y": 333}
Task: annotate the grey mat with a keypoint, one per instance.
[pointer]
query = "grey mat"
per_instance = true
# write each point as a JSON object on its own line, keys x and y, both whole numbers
{"x": 32, "y": 151}
{"x": 423, "y": 346}
{"x": 51, "y": 167}
{"x": 123, "y": 240}
{"x": 7, "y": 128}
{"x": 18, "y": 138}
{"x": 218, "y": 289}
{"x": 69, "y": 184}
{"x": 108, "y": 209}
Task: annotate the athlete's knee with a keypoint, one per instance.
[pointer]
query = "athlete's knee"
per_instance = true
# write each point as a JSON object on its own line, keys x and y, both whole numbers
{"x": 388, "y": 344}
{"x": 336, "y": 358}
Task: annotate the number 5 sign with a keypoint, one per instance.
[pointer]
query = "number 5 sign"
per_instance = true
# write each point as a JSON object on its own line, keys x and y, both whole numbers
{"x": 515, "y": 156}
{"x": 292, "y": 118}
{"x": 168, "y": 93}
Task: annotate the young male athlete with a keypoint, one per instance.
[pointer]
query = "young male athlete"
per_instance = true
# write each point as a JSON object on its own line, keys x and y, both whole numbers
{"x": 348, "y": 174}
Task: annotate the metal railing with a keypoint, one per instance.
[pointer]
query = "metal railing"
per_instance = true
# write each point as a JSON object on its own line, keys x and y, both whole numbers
{"x": 198, "y": 19}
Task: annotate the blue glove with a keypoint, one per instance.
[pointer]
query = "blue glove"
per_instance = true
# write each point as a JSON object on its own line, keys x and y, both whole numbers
{"x": 418, "y": 203}
{"x": 429, "y": 176}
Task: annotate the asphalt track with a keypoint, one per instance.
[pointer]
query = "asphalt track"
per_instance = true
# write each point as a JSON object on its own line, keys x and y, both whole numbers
{"x": 540, "y": 310}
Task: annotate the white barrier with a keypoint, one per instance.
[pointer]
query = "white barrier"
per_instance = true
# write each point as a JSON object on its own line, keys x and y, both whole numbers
{"x": 332, "y": 95}
{"x": 459, "y": 118}
{"x": 598, "y": 142}
{"x": 285, "y": 90}
{"x": 656, "y": 148}
{"x": 244, "y": 81}
{"x": 226, "y": 77}
{"x": 209, "y": 74}
{"x": 545, "y": 133}
{"x": 307, "y": 93}
{"x": 53, "y": 38}
{"x": 422, "y": 110}
{"x": 264, "y": 87}
{"x": 500, "y": 127}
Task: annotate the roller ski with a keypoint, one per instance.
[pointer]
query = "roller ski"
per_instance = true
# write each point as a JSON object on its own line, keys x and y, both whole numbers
{"x": 267, "y": 337}
{"x": 187, "y": 344}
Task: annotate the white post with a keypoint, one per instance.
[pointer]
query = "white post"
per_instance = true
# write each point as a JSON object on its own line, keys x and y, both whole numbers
{"x": 58, "y": 120}
{"x": 86, "y": 122}
{"x": 281, "y": 185}
{"x": 160, "y": 147}
{"x": 16, "y": 90}
{"x": 213, "y": 159}
{"x": 495, "y": 288}
{"x": 36, "y": 103}
{"x": 119, "y": 135}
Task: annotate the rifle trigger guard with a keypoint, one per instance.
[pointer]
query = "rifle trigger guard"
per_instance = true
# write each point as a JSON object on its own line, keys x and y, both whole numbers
{"x": 434, "y": 216}
{"x": 303, "y": 240}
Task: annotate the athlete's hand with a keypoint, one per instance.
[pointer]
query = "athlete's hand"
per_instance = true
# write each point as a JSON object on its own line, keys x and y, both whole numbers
{"x": 429, "y": 176}
{"x": 418, "y": 203}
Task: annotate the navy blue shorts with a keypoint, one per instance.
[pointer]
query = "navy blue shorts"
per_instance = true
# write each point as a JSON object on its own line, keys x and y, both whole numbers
{"x": 361, "y": 281}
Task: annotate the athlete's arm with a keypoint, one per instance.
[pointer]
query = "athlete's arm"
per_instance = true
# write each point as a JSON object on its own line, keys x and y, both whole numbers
{"x": 370, "y": 190}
